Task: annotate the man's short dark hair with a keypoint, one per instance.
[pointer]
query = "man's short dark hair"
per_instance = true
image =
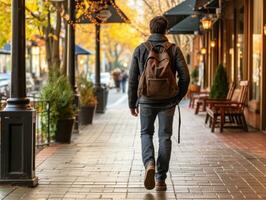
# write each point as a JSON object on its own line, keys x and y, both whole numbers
{"x": 158, "y": 25}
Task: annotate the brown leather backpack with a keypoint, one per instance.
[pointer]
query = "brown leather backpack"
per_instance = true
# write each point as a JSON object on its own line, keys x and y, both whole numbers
{"x": 158, "y": 81}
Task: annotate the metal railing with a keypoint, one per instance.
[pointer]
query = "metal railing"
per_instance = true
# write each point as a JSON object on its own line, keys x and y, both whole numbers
{"x": 42, "y": 124}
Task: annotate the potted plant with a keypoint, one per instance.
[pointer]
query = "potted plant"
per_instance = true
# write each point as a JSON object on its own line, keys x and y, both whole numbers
{"x": 88, "y": 100}
{"x": 194, "y": 87}
{"x": 60, "y": 95}
{"x": 219, "y": 87}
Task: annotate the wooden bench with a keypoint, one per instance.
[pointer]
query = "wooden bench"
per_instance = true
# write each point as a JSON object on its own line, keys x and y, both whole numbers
{"x": 232, "y": 111}
{"x": 204, "y": 101}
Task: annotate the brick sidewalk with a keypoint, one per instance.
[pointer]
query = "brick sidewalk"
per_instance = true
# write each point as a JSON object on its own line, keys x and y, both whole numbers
{"x": 104, "y": 162}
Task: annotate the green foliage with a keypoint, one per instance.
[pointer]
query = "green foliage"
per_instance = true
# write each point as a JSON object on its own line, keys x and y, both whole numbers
{"x": 60, "y": 95}
{"x": 86, "y": 91}
{"x": 194, "y": 75}
{"x": 219, "y": 87}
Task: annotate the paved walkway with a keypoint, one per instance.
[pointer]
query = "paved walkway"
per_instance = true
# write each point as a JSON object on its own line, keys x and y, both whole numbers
{"x": 103, "y": 162}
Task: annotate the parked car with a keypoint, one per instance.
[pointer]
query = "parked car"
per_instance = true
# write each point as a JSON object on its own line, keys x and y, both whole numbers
{"x": 106, "y": 79}
{"x": 5, "y": 83}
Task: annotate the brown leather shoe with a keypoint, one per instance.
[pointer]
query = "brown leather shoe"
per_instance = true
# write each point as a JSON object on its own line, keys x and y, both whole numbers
{"x": 149, "y": 181}
{"x": 161, "y": 186}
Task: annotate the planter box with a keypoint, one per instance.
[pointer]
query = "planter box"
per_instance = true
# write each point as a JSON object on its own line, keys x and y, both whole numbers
{"x": 86, "y": 114}
{"x": 64, "y": 130}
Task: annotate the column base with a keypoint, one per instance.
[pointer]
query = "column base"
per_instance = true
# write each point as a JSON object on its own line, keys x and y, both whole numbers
{"x": 102, "y": 97}
{"x": 17, "y": 104}
{"x": 76, "y": 104}
{"x": 20, "y": 182}
{"x": 17, "y": 158}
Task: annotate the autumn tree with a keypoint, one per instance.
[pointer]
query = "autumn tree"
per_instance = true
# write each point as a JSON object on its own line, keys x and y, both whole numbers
{"x": 158, "y": 7}
{"x": 47, "y": 18}
{"x": 5, "y": 19}
{"x": 118, "y": 40}
{"x": 43, "y": 18}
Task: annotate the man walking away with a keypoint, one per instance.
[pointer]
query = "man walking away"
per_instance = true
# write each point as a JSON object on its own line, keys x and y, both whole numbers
{"x": 153, "y": 87}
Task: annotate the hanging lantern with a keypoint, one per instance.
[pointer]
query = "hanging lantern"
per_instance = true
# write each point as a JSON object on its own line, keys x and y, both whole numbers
{"x": 203, "y": 51}
{"x": 264, "y": 29}
{"x": 213, "y": 43}
{"x": 206, "y": 23}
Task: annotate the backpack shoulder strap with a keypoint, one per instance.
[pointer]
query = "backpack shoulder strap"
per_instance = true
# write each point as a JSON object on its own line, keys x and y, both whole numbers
{"x": 148, "y": 45}
{"x": 167, "y": 45}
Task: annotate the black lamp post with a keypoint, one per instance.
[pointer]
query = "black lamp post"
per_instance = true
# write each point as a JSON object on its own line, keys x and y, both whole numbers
{"x": 71, "y": 55}
{"x": 109, "y": 13}
{"x": 101, "y": 92}
{"x": 71, "y": 43}
{"x": 98, "y": 56}
{"x": 18, "y": 118}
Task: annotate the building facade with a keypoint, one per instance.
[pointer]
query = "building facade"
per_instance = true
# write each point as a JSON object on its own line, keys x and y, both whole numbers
{"x": 237, "y": 39}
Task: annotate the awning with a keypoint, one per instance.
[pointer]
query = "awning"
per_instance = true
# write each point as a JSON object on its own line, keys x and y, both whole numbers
{"x": 187, "y": 26}
{"x": 81, "y": 51}
{"x": 117, "y": 15}
{"x": 180, "y": 12}
{"x": 6, "y": 49}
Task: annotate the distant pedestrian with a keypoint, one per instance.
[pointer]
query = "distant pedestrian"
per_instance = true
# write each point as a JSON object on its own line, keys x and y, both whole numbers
{"x": 153, "y": 86}
{"x": 123, "y": 80}
{"x": 116, "y": 73}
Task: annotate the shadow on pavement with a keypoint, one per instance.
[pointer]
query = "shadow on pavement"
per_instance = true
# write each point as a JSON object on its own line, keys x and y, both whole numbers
{"x": 159, "y": 196}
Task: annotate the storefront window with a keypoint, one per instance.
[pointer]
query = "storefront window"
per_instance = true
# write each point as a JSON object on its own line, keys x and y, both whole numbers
{"x": 232, "y": 57}
{"x": 240, "y": 41}
{"x": 257, "y": 48}
{"x": 229, "y": 40}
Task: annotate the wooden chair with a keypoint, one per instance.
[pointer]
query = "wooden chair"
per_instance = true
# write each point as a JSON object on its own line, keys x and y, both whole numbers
{"x": 232, "y": 110}
{"x": 196, "y": 96}
{"x": 204, "y": 101}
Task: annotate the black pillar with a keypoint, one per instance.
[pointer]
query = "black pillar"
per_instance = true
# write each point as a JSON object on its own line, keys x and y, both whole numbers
{"x": 263, "y": 79}
{"x": 98, "y": 56}
{"x": 18, "y": 118}
{"x": 18, "y": 85}
{"x": 71, "y": 44}
{"x": 101, "y": 91}
{"x": 71, "y": 56}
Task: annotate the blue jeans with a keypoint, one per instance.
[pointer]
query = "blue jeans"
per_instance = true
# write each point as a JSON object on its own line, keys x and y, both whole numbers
{"x": 147, "y": 119}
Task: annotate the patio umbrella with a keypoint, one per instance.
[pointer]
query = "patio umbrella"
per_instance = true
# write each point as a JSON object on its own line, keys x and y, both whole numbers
{"x": 81, "y": 51}
{"x": 111, "y": 14}
{"x": 6, "y": 49}
{"x": 116, "y": 15}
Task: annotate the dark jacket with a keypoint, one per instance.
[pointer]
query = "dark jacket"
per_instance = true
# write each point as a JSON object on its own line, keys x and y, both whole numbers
{"x": 137, "y": 67}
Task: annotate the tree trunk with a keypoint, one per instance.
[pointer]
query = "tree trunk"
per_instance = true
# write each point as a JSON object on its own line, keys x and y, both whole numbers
{"x": 56, "y": 39}
{"x": 47, "y": 31}
{"x": 52, "y": 41}
{"x": 64, "y": 61}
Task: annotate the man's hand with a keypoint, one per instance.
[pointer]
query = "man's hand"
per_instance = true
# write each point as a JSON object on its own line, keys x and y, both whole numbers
{"x": 134, "y": 111}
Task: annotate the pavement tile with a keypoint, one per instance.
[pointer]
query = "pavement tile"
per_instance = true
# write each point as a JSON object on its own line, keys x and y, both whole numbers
{"x": 104, "y": 162}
